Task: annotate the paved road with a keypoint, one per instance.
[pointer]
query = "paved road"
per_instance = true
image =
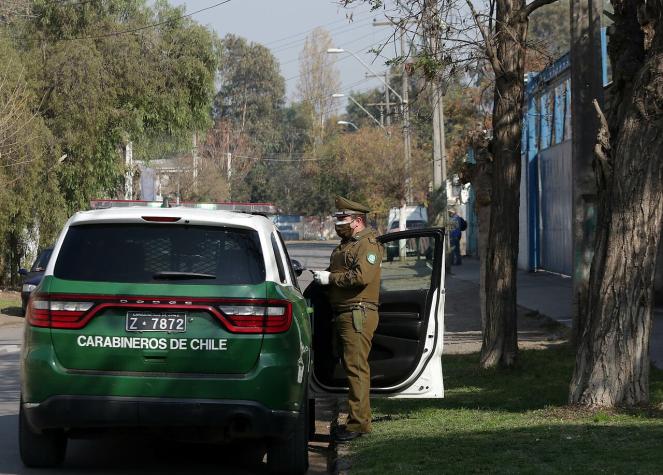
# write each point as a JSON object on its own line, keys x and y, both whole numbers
{"x": 313, "y": 255}
{"x": 110, "y": 455}
{"x": 138, "y": 455}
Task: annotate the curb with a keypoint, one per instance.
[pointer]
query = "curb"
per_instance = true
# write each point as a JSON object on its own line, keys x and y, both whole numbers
{"x": 342, "y": 464}
{"x": 322, "y": 448}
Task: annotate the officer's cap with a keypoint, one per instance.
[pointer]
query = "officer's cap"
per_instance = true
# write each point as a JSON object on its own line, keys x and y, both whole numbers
{"x": 345, "y": 207}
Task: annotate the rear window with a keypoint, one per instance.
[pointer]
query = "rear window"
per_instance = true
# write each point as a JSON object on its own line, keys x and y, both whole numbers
{"x": 409, "y": 224}
{"x": 415, "y": 224}
{"x": 155, "y": 253}
{"x": 42, "y": 260}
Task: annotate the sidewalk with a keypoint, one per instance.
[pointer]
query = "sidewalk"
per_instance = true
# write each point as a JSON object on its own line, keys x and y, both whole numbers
{"x": 552, "y": 296}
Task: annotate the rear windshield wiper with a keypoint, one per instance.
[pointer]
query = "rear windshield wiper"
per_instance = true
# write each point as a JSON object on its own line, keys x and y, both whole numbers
{"x": 182, "y": 275}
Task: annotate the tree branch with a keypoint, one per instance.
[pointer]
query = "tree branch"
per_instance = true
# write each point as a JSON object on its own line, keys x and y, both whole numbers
{"x": 602, "y": 150}
{"x": 535, "y": 5}
{"x": 487, "y": 39}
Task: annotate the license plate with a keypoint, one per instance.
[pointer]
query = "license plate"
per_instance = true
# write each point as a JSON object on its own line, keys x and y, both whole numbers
{"x": 172, "y": 322}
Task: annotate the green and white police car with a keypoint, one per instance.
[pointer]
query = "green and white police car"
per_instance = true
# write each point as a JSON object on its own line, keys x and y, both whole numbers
{"x": 191, "y": 321}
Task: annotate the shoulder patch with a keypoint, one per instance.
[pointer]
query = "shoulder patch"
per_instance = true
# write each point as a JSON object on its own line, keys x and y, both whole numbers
{"x": 371, "y": 258}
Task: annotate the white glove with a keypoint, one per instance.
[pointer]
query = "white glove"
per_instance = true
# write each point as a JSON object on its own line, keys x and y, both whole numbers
{"x": 321, "y": 277}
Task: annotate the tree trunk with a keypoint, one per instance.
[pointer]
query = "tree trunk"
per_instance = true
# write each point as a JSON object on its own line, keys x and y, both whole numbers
{"x": 500, "y": 340}
{"x": 612, "y": 363}
{"x": 481, "y": 178}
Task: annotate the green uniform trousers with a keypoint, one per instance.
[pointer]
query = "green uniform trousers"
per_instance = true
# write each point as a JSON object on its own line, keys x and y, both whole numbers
{"x": 355, "y": 345}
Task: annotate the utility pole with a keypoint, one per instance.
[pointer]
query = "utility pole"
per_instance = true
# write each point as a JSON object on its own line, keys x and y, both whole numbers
{"x": 439, "y": 146}
{"x": 406, "y": 123}
{"x": 129, "y": 170}
{"x": 387, "y": 102}
{"x": 229, "y": 167}
{"x": 386, "y": 97}
{"x": 586, "y": 86}
{"x": 194, "y": 155}
{"x": 437, "y": 92}
{"x": 406, "y": 115}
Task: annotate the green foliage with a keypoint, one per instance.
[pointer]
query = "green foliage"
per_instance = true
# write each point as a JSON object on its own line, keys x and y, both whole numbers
{"x": 101, "y": 91}
{"x": 90, "y": 87}
{"x": 252, "y": 89}
{"x": 28, "y": 153}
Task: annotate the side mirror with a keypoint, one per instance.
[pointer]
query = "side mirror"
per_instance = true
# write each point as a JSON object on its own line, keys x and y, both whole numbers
{"x": 297, "y": 267}
{"x": 22, "y": 271}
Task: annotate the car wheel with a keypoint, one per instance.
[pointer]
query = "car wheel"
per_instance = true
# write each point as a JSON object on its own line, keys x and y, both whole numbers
{"x": 40, "y": 449}
{"x": 290, "y": 455}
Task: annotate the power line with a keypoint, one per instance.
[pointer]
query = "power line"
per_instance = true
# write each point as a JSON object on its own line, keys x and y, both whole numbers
{"x": 341, "y": 30}
{"x": 309, "y": 30}
{"x": 153, "y": 25}
{"x": 371, "y": 33}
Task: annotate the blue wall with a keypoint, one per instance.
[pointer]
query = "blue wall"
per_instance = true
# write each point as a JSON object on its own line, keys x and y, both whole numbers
{"x": 546, "y": 127}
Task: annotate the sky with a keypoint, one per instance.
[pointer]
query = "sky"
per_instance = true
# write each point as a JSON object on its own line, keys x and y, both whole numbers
{"x": 282, "y": 26}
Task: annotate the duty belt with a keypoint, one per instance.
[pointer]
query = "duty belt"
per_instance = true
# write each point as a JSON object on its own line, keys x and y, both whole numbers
{"x": 351, "y": 306}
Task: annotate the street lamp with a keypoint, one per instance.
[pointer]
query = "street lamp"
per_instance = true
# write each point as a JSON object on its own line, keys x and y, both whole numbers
{"x": 336, "y": 96}
{"x": 341, "y": 50}
{"x": 406, "y": 119}
{"x": 345, "y": 122}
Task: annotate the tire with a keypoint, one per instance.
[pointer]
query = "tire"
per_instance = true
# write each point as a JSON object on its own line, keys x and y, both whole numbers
{"x": 40, "y": 449}
{"x": 290, "y": 455}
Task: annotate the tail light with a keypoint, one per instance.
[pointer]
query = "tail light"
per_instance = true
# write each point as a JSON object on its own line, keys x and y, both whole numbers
{"x": 271, "y": 316}
{"x": 49, "y": 311}
{"x": 238, "y": 316}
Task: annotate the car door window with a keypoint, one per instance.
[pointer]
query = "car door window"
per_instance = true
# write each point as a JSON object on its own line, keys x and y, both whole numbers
{"x": 293, "y": 276}
{"x": 279, "y": 260}
{"x": 410, "y": 266}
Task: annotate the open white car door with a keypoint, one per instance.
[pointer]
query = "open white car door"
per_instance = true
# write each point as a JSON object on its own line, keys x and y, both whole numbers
{"x": 406, "y": 356}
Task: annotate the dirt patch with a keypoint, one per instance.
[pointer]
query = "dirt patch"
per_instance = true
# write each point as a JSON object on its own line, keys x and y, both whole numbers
{"x": 463, "y": 322}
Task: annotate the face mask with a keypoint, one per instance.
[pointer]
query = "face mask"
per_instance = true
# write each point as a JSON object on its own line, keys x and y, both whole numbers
{"x": 344, "y": 230}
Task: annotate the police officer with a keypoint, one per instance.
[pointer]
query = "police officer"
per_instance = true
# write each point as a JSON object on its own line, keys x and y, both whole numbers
{"x": 353, "y": 277}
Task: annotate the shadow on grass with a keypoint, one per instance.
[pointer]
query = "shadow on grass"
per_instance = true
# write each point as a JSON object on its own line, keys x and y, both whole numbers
{"x": 12, "y": 311}
{"x": 545, "y": 448}
{"x": 539, "y": 380}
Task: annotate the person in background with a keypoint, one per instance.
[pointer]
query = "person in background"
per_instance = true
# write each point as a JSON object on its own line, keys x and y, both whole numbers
{"x": 456, "y": 227}
{"x": 353, "y": 280}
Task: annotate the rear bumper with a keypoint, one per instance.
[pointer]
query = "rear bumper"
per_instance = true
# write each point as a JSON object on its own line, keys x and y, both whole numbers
{"x": 232, "y": 418}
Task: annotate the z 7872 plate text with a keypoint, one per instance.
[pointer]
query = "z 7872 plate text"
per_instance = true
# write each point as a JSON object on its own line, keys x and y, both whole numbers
{"x": 174, "y": 322}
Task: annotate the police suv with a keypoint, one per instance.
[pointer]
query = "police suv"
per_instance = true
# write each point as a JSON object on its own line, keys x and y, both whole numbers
{"x": 191, "y": 322}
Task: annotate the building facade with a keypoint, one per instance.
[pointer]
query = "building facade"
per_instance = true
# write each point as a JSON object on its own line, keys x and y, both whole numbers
{"x": 546, "y": 190}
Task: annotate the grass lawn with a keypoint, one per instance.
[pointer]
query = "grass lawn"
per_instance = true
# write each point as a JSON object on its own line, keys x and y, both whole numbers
{"x": 10, "y": 302}
{"x": 510, "y": 421}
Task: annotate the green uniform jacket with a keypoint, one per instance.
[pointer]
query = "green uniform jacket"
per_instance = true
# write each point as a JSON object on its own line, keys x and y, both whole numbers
{"x": 355, "y": 270}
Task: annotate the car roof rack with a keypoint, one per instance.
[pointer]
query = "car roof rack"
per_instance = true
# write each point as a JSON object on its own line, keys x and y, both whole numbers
{"x": 263, "y": 209}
